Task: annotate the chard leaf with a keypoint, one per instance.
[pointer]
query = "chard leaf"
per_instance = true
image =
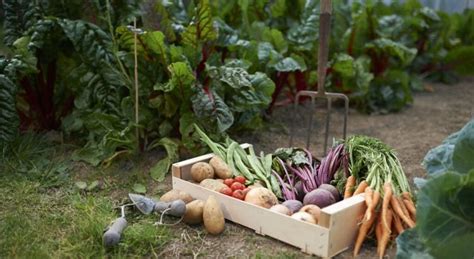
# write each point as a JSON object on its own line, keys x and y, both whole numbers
{"x": 161, "y": 168}
{"x": 445, "y": 215}
{"x": 181, "y": 76}
{"x": 396, "y": 49}
{"x": 264, "y": 87}
{"x": 343, "y": 64}
{"x": 9, "y": 120}
{"x": 166, "y": 104}
{"x": 155, "y": 41}
{"x": 460, "y": 58}
{"x": 210, "y": 106}
{"x": 276, "y": 38}
{"x": 278, "y": 8}
{"x": 305, "y": 34}
{"x": 235, "y": 77}
{"x": 289, "y": 64}
{"x": 267, "y": 53}
{"x": 201, "y": 29}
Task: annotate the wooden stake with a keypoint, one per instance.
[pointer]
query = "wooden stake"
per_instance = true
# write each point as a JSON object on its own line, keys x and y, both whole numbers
{"x": 136, "y": 83}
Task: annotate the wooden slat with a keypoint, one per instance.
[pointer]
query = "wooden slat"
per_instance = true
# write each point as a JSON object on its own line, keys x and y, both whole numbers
{"x": 182, "y": 169}
{"x": 342, "y": 219}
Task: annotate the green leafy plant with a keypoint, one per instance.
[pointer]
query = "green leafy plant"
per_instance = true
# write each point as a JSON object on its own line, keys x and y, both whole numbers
{"x": 445, "y": 200}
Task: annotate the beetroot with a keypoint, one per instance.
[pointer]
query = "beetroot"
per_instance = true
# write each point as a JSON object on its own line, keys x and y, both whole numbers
{"x": 319, "y": 197}
{"x": 299, "y": 190}
{"x": 333, "y": 190}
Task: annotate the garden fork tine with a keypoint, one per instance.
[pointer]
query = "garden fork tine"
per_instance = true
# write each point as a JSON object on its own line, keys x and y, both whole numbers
{"x": 324, "y": 33}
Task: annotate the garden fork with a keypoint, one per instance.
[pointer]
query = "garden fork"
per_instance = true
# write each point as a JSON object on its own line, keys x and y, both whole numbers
{"x": 324, "y": 34}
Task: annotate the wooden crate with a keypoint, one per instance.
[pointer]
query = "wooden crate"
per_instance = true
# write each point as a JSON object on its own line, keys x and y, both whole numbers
{"x": 334, "y": 233}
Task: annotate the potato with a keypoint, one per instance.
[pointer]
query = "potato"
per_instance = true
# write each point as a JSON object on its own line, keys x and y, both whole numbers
{"x": 201, "y": 171}
{"x": 176, "y": 195}
{"x": 213, "y": 216}
{"x": 213, "y": 184}
{"x": 262, "y": 197}
{"x": 313, "y": 210}
{"x": 282, "y": 209}
{"x": 194, "y": 211}
{"x": 221, "y": 169}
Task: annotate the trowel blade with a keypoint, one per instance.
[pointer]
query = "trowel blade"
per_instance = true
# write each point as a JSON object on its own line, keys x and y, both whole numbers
{"x": 143, "y": 204}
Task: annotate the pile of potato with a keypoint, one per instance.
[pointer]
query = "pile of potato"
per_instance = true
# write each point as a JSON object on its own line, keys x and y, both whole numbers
{"x": 198, "y": 211}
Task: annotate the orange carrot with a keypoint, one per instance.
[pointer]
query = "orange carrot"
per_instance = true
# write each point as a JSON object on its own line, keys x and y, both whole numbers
{"x": 369, "y": 202}
{"x": 363, "y": 231}
{"x": 361, "y": 187}
{"x": 402, "y": 206}
{"x": 398, "y": 210}
{"x": 379, "y": 231}
{"x": 376, "y": 199}
{"x": 386, "y": 234}
{"x": 409, "y": 204}
{"x": 387, "y": 189}
{"x": 349, "y": 185}
{"x": 397, "y": 223}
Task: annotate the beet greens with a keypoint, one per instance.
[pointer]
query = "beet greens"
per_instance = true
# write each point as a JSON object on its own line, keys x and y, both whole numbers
{"x": 299, "y": 172}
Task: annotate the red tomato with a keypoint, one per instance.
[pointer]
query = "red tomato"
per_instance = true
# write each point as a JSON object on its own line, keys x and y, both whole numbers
{"x": 238, "y": 194}
{"x": 237, "y": 186}
{"x": 240, "y": 179}
{"x": 226, "y": 191}
{"x": 229, "y": 181}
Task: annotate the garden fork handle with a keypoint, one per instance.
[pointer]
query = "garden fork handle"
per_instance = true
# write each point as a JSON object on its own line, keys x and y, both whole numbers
{"x": 324, "y": 31}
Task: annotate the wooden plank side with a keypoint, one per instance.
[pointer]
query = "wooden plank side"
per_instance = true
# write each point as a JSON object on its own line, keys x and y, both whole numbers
{"x": 308, "y": 237}
{"x": 342, "y": 220}
{"x": 182, "y": 169}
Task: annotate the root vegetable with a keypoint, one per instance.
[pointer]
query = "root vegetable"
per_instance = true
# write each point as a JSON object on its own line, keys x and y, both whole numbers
{"x": 363, "y": 231}
{"x": 397, "y": 224}
{"x": 213, "y": 216}
{"x": 385, "y": 235}
{"x": 281, "y": 209}
{"x": 406, "y": 197}
{"x": 213, "y": 184}
{"x": 221, "y": 169}
{"x": 303, "y": 216}
{"x": 313, "y": 210}
{"x": 194, "y": 212}
{"x": 333, "y": 190}
{"x": 320, "y": 197}
{"x": 262, "y": 197}
{"x": 361, "y": 187}
{"x": 350, "y": 183}
{"x": 387, "y": 188}
{"x": 176, "y": 195}
{"x": 379, "y": 231}
{"x": 369, "y": 202}
{"x": 293, "y": 205}
{"x": 399, "y": 211}
{"x": 201, "y": 171}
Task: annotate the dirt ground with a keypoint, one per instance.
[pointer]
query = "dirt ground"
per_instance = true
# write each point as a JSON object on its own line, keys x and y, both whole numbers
{"x": 411, "y": 132}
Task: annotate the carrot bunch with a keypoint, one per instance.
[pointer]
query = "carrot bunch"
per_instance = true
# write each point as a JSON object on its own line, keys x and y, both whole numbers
{"x": 387, "y": 216}
{"x": 376, "y": 171}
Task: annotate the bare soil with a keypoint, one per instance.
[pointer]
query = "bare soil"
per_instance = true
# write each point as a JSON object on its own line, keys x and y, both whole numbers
{"x": 411, "y": 132}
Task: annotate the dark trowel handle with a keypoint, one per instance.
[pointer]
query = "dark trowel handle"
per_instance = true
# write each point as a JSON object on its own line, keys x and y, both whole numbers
{"x": 113, "y": 234}
{"x": 175, "y": 208}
